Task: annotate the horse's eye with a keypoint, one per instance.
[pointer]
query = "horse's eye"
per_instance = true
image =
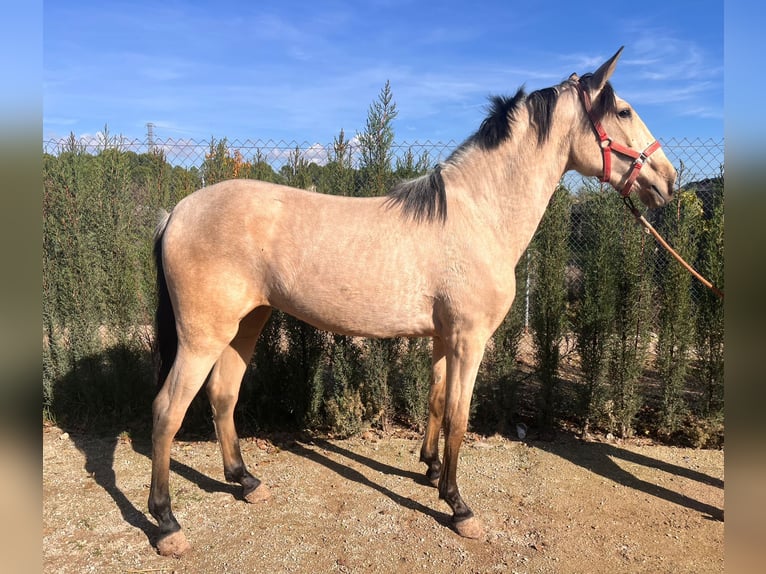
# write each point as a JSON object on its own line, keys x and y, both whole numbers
{"x": 625, "y": 114}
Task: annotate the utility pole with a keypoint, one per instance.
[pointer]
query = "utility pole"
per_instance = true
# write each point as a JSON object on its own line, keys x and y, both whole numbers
{"x": 150, "y": 136}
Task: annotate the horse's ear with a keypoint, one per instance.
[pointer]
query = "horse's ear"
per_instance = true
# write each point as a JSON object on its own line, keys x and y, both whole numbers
{"x": 601, "y": 75}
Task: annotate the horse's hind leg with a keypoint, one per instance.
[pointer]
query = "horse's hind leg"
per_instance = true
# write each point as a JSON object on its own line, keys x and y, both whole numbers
{"x": 429, "y": 453}
{"x": 184, "y": 380}
{"x": 223, "y": 391}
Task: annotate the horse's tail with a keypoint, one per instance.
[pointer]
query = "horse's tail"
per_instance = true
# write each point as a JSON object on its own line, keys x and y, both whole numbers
{"x": 166, "y": 336}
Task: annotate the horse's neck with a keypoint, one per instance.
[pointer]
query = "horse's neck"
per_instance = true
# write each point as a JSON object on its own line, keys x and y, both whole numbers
{"x": 512, "y": 185}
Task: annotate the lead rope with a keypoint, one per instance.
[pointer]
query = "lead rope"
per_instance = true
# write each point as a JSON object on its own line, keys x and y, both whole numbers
{"x": 642, "y": 220}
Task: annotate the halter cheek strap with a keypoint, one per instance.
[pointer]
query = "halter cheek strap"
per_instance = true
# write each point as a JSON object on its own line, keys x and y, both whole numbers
{"x": 608, "y": 146}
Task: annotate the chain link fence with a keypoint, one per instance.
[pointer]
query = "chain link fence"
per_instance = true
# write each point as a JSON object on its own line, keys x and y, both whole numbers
{"x": 696, "y": 159}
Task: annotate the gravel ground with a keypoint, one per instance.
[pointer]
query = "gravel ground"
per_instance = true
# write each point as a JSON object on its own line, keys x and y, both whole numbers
{"x": 362, "y": 505}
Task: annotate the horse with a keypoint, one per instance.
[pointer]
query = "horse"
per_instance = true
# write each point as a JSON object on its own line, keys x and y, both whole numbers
{"x": 435, "y": 257}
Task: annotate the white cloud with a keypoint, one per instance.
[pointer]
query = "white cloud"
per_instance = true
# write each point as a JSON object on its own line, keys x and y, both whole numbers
{"x": 316, "y": 153}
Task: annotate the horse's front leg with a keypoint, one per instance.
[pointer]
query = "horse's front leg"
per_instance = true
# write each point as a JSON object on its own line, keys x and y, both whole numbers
{"x": 464, "y": 356}
{"x": 429, "y": 453}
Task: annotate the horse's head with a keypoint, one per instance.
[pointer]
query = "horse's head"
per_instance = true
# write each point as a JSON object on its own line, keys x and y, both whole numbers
{"x": 612, "y": 142}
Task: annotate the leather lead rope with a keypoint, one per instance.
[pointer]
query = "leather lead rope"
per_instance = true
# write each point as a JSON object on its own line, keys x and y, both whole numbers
{"x": 642, "y": 220}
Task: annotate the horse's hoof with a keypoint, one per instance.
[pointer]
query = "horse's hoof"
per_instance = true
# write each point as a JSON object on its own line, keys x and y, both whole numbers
{"x": 470, "y": 528}
{"x": 174, "y": 544}
{"x": 260, "y": 493}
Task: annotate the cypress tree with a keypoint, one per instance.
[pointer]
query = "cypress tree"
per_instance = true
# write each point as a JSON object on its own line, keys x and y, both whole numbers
{"x": 594, "y": 315}
{"x": 376, "y": 144}
{"x": 548, "y": 299}
{"x": 676, "y": 318}
{"x": 710, "y": 318}
{"x": 633, "y": 320}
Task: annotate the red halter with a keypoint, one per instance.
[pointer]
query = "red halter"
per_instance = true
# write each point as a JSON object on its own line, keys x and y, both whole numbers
{"x": 607, "y": 146}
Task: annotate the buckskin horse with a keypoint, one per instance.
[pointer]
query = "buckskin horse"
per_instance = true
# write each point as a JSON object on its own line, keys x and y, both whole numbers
{"x": 433, "y": 258}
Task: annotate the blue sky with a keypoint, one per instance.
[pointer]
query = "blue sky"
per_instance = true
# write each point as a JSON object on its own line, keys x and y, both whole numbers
{"x": 303, "y": 70}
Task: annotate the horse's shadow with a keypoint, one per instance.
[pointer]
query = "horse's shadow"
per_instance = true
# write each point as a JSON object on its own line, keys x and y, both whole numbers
{"x": 99, "y": 455}
{"x": 374, "y": 465}
{"x": 600, "y": 458}
{"x": 100, "y": 452}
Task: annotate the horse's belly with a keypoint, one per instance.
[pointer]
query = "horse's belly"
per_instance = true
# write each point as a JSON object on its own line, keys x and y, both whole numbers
{"x": 370, "y": 312}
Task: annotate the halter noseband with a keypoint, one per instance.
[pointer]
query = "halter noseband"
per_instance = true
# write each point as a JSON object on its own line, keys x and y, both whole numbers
{"x": 608, "y": 146}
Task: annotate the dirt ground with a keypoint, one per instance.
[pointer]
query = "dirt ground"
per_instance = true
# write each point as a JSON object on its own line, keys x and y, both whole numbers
{"x": 362, "y": 505}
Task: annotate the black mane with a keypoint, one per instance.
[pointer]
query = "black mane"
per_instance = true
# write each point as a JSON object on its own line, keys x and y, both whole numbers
{"x": 496, "y": 127}
{"x": 423, "y": 198}
{"x": 542, "y": 103}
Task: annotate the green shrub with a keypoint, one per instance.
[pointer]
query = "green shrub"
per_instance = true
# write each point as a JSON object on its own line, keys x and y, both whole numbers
{"x": 676, "y": 317}
{"x": 633, "y": 318}
{"x": 548, "y": 299}
{"x": 710, "y": 317}
{"x": 594, "y": 314}
{"x": 411, "y": 382}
